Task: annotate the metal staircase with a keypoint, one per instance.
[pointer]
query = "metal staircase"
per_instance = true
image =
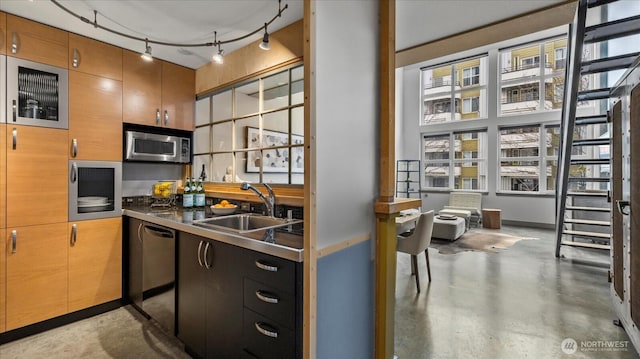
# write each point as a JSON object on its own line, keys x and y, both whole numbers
{"x": 582, "y": 201}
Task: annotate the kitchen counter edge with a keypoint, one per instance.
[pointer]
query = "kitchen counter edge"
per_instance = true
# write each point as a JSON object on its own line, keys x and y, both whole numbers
{"x": 289, "y": 253}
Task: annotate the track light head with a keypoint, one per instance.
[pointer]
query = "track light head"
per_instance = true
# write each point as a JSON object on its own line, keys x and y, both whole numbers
{"x": 146, "y": 55}
{"x": 219, "y": 57}
{"x": 265, "y": 39}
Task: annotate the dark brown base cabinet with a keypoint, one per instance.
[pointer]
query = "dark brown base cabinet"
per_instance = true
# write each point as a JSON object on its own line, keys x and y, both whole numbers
{"x": 234, "y": 302}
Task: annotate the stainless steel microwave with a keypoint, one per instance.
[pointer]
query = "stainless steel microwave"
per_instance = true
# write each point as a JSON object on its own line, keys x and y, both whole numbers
{"x": 155, "y": 147}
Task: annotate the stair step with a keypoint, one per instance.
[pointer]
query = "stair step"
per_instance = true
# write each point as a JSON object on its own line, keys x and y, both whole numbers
{"x": 597, "y": 94}
{"x": 588, "y": 193}
{"x": 591, "y": 161}
{"x": 587, "y": 221}
{"x": 608, "y": 64}
{"x": 588, "y": 209}
{"x": 596, "y": 3}
{"x": 612, "y": 30}
{"x": 586, "y": 245}
{"x": 591, "y": 142}
{"x": 587, "y": 234}
{"x": 591, "y": 120}
{"x": 589, "y": 179}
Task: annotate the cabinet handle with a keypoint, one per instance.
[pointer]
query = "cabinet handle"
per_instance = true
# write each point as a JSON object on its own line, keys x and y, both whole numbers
{"x": 139, "y": 230}
{"x": 74, "y": 147}
{"x": 266, "y": 267}
{"x": 14, "y": 134}
{"x": 158, "y": 116}
{"x": 166, "y": 117}
{"x": 76, "y": 59}
{"x": 14, "y": 241}
{"x": 15, "y": 110}
{"x": 206, "y": 255}
{"x": 199, "y": 251}
{"x": 14, "y": 42}
{"x": 74, "y": 233}
{"x": 268, "y": 298}
{"x": 270, "y": 333}
{"x": 74, "y": 173}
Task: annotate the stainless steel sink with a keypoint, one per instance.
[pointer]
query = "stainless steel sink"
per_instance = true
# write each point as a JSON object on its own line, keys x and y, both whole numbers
{"x": 245, "y": 223}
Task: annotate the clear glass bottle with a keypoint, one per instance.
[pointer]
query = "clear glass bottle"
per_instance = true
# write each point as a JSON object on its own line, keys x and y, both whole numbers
{"x": 199, "y": 195}
{"x": 187, "y": 195}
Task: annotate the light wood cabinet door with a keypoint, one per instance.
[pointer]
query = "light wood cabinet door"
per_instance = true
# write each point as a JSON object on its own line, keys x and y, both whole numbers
{"x": 37, "y": 284}
{"x": 3, "y": 280}
{"x": 37, "y": 42}
{"x": 37, "y": 185}
{"x": 3, "y": 176}
{"x": 95, "y": 262}
{"x": 95, "y": 118}
{"x": 3, "y": 33}
{"x": 178, "y": 97}
{"x": 142, "y": 89}
{"x": 95, "y": 57}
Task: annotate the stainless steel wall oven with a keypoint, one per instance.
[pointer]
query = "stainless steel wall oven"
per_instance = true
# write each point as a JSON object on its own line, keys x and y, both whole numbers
{"x": 37, "y": 94}
{"x": 95, "y": 190}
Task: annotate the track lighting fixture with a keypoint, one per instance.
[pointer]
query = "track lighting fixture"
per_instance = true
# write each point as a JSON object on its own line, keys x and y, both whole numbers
{"x": 216, "y": 43}
{"x": 265, "y": 39}
{"x": 146, "y": 55}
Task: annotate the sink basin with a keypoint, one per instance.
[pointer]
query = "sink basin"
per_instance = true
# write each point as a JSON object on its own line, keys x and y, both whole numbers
{"x": 245, "y": 223}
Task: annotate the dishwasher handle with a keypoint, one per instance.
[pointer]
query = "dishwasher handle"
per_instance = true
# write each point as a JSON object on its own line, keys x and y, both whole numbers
{"x": 158, "y": 231}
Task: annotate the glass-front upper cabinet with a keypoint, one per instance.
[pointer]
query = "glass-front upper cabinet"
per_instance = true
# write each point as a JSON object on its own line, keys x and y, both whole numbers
{"x": 37, "y": 94}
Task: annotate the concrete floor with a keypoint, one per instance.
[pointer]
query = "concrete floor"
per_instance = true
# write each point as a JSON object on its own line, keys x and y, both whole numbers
{"x": 519, "y": 303}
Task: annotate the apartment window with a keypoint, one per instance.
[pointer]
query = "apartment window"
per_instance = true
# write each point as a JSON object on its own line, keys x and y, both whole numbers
{"x": 253, "y": 131}
{"x": 471, "y": 104}
{"x": 560, "y": 58}
{"x": 454, "y": 91}
{"x": 528, "y": 158}
{"x": 471, "y": 76}
{"x": 526, "y": 84}
{"x": 455, "y": 160}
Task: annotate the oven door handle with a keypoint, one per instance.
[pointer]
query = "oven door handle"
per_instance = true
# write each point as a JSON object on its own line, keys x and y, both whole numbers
{"x": 73, "y": 176}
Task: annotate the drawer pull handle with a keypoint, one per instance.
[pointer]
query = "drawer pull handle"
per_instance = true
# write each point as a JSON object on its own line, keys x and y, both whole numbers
{"x": 14, "y": 241}
{"x": 74, "y": 234}
{"x": 267, "y": 297}
{"x": 269, "y": 333}
{"x": 267, "y": 267}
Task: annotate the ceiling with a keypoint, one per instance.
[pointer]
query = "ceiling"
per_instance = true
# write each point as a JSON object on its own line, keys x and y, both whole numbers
{"x": 194, "y": 21}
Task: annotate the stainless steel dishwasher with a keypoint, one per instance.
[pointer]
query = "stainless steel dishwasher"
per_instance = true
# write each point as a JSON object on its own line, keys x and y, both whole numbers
{"x": 152, "y": 272}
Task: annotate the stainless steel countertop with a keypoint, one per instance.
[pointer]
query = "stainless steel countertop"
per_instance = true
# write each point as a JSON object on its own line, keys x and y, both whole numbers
{"x": 287, "y": 245}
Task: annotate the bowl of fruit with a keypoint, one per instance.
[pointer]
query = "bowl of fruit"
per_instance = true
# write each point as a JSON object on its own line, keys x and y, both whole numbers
{"x": 224, "y": 207}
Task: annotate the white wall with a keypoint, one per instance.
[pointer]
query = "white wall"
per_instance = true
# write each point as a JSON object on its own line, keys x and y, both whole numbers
{"x": 537, "y": 210}
{"x": 346, "y": 123}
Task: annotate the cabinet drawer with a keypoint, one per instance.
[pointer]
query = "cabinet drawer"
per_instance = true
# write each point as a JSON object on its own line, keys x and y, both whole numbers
{"x": 273, "y": 303}
{"x": 266, "y": 339}
{"x": 277, "y": 272}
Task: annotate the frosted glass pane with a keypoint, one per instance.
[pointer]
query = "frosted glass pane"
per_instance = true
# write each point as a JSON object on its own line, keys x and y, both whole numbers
{"x": 275, "y": 91}
{"x": 277, "y": 121}
{"x": 221, "y": 106}
{"x": 203, "y": 111}
{"x": 201, "y": 140}
{"x": 220, "y": 164}
{"x": 242, "y": 128}
{"x": 221, "y": 136}
{"x": 247, "y": 99}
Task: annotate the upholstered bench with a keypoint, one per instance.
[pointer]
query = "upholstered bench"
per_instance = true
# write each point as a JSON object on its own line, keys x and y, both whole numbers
{"x": 450, "y": 229}
{"x": 464, "y": 214}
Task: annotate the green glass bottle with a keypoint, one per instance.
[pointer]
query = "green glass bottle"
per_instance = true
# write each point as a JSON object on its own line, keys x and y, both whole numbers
{"x": 187, "y": 195}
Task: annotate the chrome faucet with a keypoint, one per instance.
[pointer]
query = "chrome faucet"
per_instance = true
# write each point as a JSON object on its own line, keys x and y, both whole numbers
{"x": 268, "y": 202}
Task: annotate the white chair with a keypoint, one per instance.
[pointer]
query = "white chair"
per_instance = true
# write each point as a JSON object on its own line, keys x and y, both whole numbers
{"x": 417, "y": 242}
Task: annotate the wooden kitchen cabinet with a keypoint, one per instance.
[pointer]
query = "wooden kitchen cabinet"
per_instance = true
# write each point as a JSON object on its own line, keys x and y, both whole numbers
{"x": 37, "y": 179}
{"x": 178, "y": 96}
{"x": 37, "y": 42}
{"x": 157, "y": 93}
{"x": 3, "y": 176}
{"x": 37, "y": 284}
{"x": 95, "y": 118}
{"x": 3, "y": 33}
{"x": 209, "y": 299}
{"x": 3, "y": 279}
{"x": 94, "y": 57}
{"x": 225, "y": 292}
{"x": 95, "y": 262}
